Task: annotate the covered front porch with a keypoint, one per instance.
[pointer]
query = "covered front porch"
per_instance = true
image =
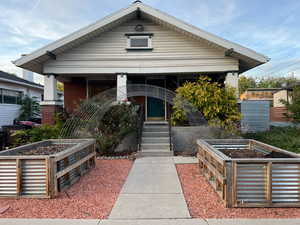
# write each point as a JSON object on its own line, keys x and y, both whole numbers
{"x": 82, "y": 87}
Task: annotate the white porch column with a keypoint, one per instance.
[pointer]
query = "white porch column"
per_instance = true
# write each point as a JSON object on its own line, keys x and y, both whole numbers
{"x": 51, "y": 105}
{"x": 50, "y": 89}
{"x": 232, "y": 80}
{"x": 121, "y": 87}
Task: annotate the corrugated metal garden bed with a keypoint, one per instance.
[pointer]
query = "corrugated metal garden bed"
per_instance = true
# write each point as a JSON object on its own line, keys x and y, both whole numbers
{"x": 248, "y": 173}
{"x": 42, "y": 169}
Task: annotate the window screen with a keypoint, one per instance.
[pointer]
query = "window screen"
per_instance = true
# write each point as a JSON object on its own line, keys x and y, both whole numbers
{"x": 139, "y": 42}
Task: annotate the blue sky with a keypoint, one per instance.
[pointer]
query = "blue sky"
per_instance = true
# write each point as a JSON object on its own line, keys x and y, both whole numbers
{"x": 269, "y": 27}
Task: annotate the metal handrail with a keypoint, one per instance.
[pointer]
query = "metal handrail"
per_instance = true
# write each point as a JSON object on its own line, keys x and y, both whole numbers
{"x": 170, "y": 135}
{"x": 140, "y": 124}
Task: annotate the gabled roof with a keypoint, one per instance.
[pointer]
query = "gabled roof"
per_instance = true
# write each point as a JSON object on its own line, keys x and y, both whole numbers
{"x": 248, "y": 58}
{"x": 7, "y": 77}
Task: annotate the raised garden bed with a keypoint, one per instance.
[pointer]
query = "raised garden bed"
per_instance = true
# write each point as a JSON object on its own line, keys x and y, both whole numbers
{"x": 42, "y": 169}
{"x": 248, "y": 173}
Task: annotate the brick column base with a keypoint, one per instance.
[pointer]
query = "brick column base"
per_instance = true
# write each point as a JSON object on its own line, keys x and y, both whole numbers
{"x": 48, "y": 113}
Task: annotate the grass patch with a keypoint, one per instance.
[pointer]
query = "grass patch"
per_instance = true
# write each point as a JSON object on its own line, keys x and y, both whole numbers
{"x": 287, "y": 138}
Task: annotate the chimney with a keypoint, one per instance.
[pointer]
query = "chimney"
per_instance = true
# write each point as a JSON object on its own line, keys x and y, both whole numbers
{"x": 28, "y": 75}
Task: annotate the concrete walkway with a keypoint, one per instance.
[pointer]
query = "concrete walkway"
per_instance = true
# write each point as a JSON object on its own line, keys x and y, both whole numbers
{"x": 151, "y": 191}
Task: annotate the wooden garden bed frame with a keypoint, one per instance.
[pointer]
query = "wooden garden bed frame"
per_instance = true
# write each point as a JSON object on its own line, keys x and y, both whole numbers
{"x": 43, "y": 176}
{"x": 250, "y": 182}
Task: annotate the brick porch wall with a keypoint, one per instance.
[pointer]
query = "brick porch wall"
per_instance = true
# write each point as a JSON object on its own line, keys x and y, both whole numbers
{"x": 74, "y": 92}
{"x": 48, "y": 113}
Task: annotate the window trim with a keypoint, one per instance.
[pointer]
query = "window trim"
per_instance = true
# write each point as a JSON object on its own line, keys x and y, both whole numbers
{"x": 20, "y": 93}
{"x": 139, "y": 36}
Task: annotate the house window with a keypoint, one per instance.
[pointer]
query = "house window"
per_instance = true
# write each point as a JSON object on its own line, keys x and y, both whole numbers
{"x": 10, "y": 96}
{"x": 139, "y": 42}
{"x": 142, "y": 42}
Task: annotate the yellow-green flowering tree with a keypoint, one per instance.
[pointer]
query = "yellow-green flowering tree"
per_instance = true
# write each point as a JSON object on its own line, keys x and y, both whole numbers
{"x": 216, "y": 103}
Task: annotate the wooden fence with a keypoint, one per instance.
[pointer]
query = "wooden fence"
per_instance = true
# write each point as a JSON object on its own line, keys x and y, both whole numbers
{"x": 277, "y": 114}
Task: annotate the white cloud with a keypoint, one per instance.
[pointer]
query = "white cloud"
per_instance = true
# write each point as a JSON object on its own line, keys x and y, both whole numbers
{"x": 277, "y": 68}
{"x": 7, "y": 66}
{"x": 217, "y": 13}
{"x": 28, "y": 27}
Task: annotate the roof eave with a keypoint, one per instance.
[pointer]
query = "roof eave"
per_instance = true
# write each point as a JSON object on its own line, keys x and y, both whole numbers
{"x": 21, "y": 83}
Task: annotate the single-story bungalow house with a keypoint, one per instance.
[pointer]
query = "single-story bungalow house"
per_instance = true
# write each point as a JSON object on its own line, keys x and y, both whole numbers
{"x": 136, "y": 45}
{"x": 12, "y": 88}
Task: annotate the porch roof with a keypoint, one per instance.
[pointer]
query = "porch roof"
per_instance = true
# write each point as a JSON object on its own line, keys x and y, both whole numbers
{"x": 34, "y": 61}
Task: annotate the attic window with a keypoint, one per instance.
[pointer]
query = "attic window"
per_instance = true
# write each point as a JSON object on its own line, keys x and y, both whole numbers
{"x": 139, "y": 42}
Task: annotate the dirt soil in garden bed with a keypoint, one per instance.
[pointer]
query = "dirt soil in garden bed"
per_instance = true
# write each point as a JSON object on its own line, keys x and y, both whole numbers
{"x": 46, "y": 150}
{"x": 203, "y": 202}
{"x": 92, "y": 197}
{"x": 243, "y": 153}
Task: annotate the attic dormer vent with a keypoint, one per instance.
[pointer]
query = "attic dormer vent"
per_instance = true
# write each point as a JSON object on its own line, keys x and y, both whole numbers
{"x": 137, "y": 1}
{"x": 139, "y": 28}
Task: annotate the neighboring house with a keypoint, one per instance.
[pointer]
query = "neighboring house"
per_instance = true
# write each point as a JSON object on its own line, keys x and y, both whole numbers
{"x": 12, "y": 88}
{"x": 136, "y": 45}
{"x": 278, "y": 111}
{"x": 282, "y": 95}
{"x": 274, "y": 96}
{"x": 264, "y": 94}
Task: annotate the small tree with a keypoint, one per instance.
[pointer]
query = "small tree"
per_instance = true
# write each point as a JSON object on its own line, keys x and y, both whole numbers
{"x": 116, "y": 123}
{"x": 294, "y": 106}
{"x": 276, "y": 82}
{"x": 217, "y": 104}
{"x": 245, "y": 83}
{"x": 29, "y": 108}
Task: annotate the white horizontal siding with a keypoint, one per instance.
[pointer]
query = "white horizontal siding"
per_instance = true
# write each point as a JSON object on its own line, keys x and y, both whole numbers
{"x": 172, "y": 52}
{"x": 8, "y": 112}
{"x": 37, "y": 95}
{"x": 31, "y": 92}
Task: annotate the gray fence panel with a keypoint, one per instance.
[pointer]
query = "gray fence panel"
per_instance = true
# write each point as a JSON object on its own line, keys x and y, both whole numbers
{"x": 255, "y": 116}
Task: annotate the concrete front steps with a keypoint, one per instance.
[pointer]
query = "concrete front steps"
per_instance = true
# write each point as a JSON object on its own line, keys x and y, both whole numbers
{"x": 155, "y": 139}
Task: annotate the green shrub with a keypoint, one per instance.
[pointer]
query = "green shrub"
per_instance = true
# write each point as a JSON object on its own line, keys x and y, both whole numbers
{"x": 293, "y": 107}
{"x": 230, "y": 130}
{"x": 287, "y": 138}
{"x": 43, "y": 132}
{"x": 40, "y": 133}
{"x": 117, "y": 122}
{"x": 30, "y": 108}
{"x": 213, "y": 101}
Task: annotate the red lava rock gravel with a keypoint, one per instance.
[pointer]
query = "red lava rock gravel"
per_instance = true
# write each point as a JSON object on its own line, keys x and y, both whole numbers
{"x": 203, "y": 202}
{"x": 92, "y": 197}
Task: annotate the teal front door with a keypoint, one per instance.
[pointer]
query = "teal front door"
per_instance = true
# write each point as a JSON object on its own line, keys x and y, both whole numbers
{"x": 155, "y": 106}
